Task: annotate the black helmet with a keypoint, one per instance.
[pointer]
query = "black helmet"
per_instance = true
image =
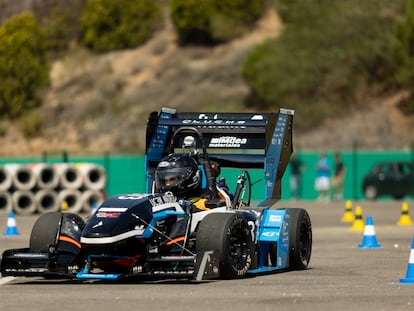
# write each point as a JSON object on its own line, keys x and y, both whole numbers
{"x": 179, "y": 174}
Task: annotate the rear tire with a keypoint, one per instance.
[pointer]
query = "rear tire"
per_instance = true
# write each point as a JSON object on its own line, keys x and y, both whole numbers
{"x": 228, "y": 234}
{"x": 300, "y": 240}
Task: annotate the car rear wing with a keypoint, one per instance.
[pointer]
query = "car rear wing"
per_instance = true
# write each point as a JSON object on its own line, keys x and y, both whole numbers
{"x": 237, "y": 140}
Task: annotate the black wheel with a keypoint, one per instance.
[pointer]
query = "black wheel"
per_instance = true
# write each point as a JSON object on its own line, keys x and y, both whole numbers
{"x": 48, "y": 226}
{"x": 45, "y": 231}
{"x": 229, "y": 235}
{"x": 300, "y": 240}
{"x": 371, "y": 192}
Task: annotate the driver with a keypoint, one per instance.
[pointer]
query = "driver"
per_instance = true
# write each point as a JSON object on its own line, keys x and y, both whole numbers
{"x": 179, "y": 173}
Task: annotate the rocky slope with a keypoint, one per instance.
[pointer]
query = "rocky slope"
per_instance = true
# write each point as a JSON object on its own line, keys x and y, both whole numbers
{"x": 99, "y": 104}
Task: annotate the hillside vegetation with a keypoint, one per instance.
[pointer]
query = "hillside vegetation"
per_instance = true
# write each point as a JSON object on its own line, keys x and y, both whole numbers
{"x": 335, "y": 64}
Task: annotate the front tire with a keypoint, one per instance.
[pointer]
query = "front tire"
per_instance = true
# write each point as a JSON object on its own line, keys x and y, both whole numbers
{"x": 300, "y": 240}
{"x": 49, "y": 226}
{"x": 45, "y": 231}
{"x": 229, "y": 235}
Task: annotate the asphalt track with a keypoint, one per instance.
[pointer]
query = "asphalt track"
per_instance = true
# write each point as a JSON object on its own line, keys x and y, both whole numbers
{"x": 341, "y": 276}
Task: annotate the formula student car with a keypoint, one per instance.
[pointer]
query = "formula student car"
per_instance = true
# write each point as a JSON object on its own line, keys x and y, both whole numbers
{"x": 134, "y": 235}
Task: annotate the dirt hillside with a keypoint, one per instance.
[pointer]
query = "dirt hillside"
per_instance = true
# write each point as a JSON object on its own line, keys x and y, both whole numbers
{"x": 99, "y": 104}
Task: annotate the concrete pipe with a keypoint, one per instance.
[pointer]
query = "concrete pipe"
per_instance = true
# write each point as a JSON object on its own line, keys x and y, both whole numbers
{"x": 46, "y": 176}
{"x": 69, "y": 176}
{"x": 70, "y": 200}
{"x": 6, "y": 180}
{"x": 94, "y": 176}
{"x": 6, "y": 204}
{"x": 92, "y": 199}
{"x": 22, "y": 176}
{"x": 23, "y": 202}
{"x": 47, "y": 201}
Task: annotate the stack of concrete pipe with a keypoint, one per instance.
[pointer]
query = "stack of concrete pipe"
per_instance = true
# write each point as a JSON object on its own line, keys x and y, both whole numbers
{"x": 40, "y": 187}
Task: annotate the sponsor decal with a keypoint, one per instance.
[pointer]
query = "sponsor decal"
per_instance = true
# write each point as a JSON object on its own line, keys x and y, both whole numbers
{"x": 107, "y": 215}
{"x": 214, "y": 123}
{"x": 113, "y": 209}
{"x": 275, "y": 218}
{"x": 269, "y": 234}
{"x": 137, "y": 196}
{"x": 227, "y": 142}
{"x": 140, "y": 229}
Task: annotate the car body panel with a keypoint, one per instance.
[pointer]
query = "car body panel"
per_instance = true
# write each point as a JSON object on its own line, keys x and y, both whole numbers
{"x": 141, "y": 235}
{"x": 395, "y": 178}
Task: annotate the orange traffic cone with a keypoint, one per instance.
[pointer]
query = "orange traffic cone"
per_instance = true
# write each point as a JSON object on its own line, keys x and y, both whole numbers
{"x": 348, "y": 215}
{"x": 405, "y": 219}
{"x": 358, "y": 224}
{"x": 11, "y": 229}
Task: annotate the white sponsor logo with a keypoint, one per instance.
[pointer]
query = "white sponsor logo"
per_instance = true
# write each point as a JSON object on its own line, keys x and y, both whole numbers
{"x": 275, "y": 218}
{"x": 227, "y": 142}
{"x": 140, "y": 229}
{"x": 113, "y": 209}
{"x": 269, "y": 234}
{"x": 212, "y": 122}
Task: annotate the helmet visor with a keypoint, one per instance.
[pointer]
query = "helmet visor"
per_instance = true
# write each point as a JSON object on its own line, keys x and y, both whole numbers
{"x": 171, "y": 178}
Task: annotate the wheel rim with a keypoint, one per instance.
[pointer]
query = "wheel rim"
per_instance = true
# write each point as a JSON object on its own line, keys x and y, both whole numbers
{"x": 238, "y": 247}
{"x": 305, "y": 240}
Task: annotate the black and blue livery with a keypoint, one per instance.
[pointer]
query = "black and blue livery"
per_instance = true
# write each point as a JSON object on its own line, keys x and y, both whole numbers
{"x": 154, "y": 235}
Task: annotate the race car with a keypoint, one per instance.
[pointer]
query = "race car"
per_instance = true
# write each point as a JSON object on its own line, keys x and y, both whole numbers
{"x": 136, "y": 236}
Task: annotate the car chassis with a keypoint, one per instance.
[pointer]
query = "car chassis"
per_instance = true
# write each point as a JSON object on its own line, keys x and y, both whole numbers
{"x": 138, "y": 235}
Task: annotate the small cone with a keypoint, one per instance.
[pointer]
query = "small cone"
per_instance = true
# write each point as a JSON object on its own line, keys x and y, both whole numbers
{"x": 405, "y": 219}
{"x": 348, "y": 215}
{"x": 358, "y": 224}
{"x": 64, "y": 207}
{"x": 409, "y": 277}
{"x": 370, "y": 239}
{"x": 11, "y": 229}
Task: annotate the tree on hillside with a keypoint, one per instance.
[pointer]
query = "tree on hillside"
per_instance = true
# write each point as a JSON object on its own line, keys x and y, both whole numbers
{"x": 404, "y": 50}
{"x": 214, "y": 21}
{"x": 112, "y": 25}
{"x": 60, "y": 25}
{"x": 23, "y": 65}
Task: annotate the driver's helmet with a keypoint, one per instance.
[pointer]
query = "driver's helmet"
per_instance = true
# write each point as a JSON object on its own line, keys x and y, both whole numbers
{"x": 178, "y": 173}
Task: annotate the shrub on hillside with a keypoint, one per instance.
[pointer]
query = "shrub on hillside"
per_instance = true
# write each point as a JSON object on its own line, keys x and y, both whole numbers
{"x": 326, "y": 56}
{"x": 23, "y": 65}
{"x": 60, "y": 25}
{"x": 112, "y": 25}
{"x": 404, "y": 52}
{"x": 30, "y": 123}
{"x": 214, "y": 21}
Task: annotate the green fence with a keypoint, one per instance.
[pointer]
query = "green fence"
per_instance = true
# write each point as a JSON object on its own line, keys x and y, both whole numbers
{"x": 357, "y": 164}
{"x": 126, "y": 173}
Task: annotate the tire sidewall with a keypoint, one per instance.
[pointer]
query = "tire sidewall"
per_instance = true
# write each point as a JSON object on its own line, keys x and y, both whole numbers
{"x": 226, "y": 262}
{"x": 299, "y": 220}
{"x": 45, "y": 231}
{"x": 215, "y": 233}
